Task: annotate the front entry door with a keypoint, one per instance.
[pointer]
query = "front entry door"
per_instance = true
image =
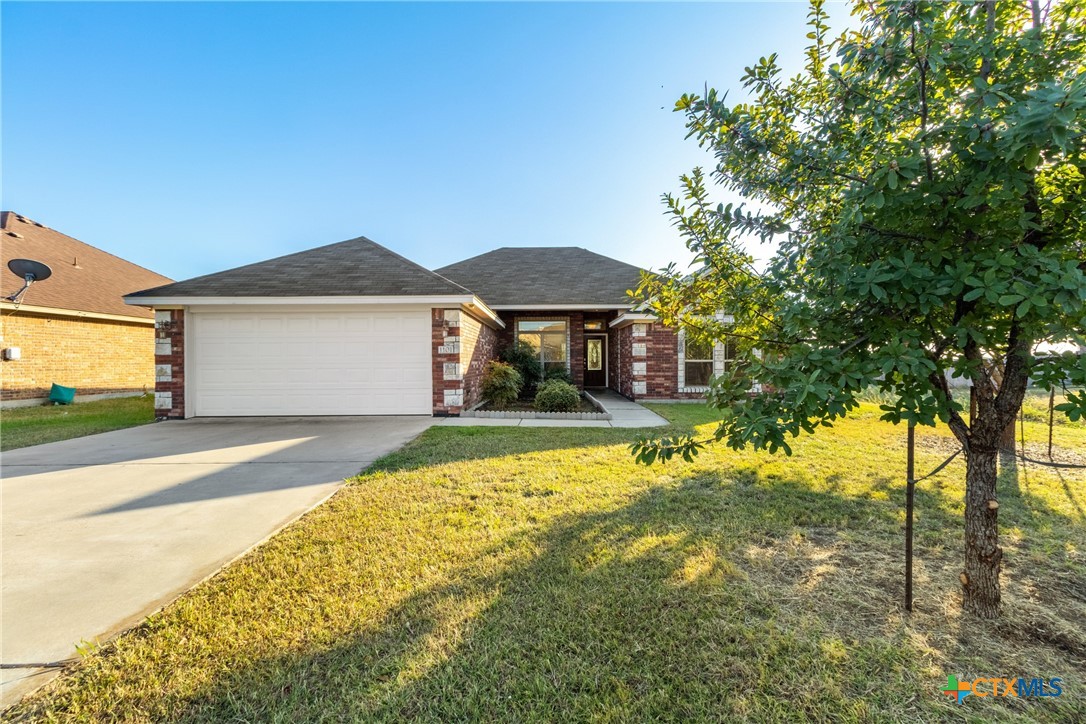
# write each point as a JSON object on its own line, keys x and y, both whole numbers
{"x": 595, "y": 360}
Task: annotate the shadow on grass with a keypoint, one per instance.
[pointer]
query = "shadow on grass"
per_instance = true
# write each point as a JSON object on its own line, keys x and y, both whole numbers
{"x": 645, "y": 611}
{"x": 1069, "y": 495}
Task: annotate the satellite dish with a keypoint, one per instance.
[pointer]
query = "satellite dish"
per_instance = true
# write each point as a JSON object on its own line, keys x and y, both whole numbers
{"x": 30, "y": 271}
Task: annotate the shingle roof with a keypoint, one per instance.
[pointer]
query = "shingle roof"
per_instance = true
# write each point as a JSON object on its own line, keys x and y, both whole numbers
{"x": 84, "y": 279}
{"x": 357, "y": 267}
{"x": 527, "y": 276}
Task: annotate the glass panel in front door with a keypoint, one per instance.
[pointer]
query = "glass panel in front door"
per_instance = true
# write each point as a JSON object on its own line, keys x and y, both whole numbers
{"x": 594, "y": 350}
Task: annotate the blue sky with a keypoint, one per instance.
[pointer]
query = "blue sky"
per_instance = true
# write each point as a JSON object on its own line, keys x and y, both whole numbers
{"x": 191, "y": 138}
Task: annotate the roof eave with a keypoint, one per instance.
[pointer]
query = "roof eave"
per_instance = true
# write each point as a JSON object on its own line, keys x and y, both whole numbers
{"x": 624, "y": 320}
{"x": 74, "y": 313}
{"x": 192, "y": 300}
{"x": 467, "y": 301}
{"x": 587, "y": 306}
{"x": 491, "y": 317}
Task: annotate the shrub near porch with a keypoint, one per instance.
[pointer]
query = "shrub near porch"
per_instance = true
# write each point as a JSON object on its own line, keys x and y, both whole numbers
{"x": 502, "y": 573}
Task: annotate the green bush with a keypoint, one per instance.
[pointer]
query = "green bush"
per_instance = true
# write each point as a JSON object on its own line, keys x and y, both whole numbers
{"x": 526, "y": 359}
{"x": 557, "y": 396}
{"x": 501, "y": 383}
{"x": 557, "y": 373}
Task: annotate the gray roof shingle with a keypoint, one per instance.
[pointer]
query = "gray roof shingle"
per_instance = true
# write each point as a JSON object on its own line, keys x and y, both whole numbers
{"x": 527, "y": 276}
{"x": 357, "y": 267}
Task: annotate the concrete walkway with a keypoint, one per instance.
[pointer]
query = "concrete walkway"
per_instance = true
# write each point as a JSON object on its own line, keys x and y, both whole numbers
{"x": 101, "y": 531}
{"x": 624, "y": 413}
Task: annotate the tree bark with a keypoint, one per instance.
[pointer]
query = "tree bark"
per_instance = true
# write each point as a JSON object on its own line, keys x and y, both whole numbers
{"x": 980, "y": 579}
{"x": 1008, "y": 440}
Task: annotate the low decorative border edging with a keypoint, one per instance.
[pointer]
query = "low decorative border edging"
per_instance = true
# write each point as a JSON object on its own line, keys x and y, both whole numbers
{"x": 474, "y": 411}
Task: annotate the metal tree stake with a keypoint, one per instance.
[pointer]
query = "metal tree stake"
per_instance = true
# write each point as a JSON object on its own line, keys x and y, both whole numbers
{"x": 910, "y": 489}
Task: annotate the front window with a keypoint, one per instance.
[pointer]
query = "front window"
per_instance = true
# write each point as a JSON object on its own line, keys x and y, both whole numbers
{"x": 699, "y": 362}
{"x": 549, "y": 338}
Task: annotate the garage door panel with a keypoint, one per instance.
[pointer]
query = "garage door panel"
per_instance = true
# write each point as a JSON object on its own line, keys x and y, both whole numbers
{"x": 311, "y": 363}
{"x": 214, "y": 327}
{"x": 389, "y": 376}
{"x": 327, "y": 325}
{"x": 389, "y": 324}
{"x": 240, "y": 325}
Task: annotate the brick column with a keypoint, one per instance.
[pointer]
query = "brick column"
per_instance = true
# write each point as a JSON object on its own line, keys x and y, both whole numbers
{"x": 169, "y": 363}
{"x": 447, "y": 373}
{"x": 640, "y": 349}
{"x": 576, "y": 348}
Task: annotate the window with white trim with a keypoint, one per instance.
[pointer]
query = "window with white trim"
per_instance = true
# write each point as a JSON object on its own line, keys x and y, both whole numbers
{"x": 697, "y": 361}
{"x": 549, "y": 338}
{"x": 701, "y": 360}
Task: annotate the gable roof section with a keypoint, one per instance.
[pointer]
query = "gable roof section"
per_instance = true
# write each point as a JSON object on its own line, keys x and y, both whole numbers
{"x": 85, "y": 278}
{"x": 525, "y": 277}
{"x": 354, "y": 268}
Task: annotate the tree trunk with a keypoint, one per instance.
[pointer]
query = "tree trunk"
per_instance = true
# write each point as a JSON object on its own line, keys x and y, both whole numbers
{"x": 980, "y": 580}
{"x": 1008, "y": 441}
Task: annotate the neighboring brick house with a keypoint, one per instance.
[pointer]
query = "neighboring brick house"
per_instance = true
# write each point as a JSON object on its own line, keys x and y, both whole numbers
{"x": 74, "y": 328}
{"x": 356, "y": 329}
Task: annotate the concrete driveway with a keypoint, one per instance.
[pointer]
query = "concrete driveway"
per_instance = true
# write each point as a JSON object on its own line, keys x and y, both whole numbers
{"x": 101, "y": 531}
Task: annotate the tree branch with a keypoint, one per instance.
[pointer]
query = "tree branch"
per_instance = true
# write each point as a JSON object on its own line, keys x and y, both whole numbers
{"x": 989, "y": 28}
{"x": 956, "y": 423}
{"x": 922, "y": 66}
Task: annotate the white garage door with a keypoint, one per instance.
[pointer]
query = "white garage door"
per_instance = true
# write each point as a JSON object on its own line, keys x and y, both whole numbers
{"x": 359, "y": 362}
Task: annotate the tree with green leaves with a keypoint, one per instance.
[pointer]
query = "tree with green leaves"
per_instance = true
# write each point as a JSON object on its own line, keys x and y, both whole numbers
{"x": 923, "y": 181}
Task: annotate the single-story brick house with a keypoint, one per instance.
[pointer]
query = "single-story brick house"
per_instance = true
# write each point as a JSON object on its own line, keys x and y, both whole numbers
{"x": 356, "y": 329}
{"x": 73, "y": 328}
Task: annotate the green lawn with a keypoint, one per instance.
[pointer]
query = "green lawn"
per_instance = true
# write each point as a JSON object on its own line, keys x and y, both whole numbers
{"x": 510, "y": 573}
{"x": 23, "y": 426}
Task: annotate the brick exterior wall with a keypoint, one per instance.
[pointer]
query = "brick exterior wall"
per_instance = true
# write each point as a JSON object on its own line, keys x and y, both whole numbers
{"x": 647, "y": 366}
{"x": 170, "y": 363}
{"x": 621, "y": 368}
{"x": 478, "y": 345}
{"x": 576, "y": 321}
{"x": 445, "y": 340}
{"x": 576, "y": 348}
{"x": 462, "y": 345}
{"x": 94, "y": 356}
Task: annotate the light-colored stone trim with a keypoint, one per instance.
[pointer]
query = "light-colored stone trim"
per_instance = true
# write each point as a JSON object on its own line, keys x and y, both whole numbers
{"x": 720, "y": 362}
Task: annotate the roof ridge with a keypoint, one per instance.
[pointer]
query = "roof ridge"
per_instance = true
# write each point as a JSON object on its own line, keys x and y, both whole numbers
{"x": 401, "y": 257}
{"x": 470, "y": 258}
{"x": 200, "y": 277}
{"x": 339, "y": 265}
{"x": 541, "y": 248}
